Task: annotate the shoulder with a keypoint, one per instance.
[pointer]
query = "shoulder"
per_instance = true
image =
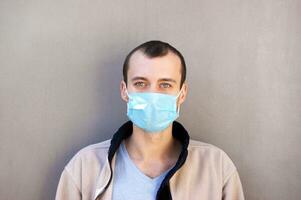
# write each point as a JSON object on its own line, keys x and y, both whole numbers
{"x": 203, "y": 148}
{"x": 208, "y": 155}
{"x": 95, "y": 148}
{"x": 90, "y": 157}
{"x": 82, "y": 171}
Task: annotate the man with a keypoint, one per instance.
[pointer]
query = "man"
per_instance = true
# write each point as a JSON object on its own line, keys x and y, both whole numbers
{"x": 151, "y": 156}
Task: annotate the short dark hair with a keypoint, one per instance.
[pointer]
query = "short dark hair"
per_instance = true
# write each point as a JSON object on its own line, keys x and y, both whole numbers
{"x": 154, "y": 49}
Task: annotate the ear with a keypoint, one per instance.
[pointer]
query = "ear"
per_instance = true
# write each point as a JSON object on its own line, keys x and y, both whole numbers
{"x": 183, "y": 94}
{"x": 123, "y": 93}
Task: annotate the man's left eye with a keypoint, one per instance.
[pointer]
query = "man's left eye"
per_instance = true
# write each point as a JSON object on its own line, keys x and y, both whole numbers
{"x": 165, "y": 85}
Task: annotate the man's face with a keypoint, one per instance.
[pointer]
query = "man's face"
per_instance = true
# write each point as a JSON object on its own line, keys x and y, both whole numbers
{"x": 159, "y": 74}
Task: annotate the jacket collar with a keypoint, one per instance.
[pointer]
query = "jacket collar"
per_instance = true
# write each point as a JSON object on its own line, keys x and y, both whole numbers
{"x": 178, "y": 132}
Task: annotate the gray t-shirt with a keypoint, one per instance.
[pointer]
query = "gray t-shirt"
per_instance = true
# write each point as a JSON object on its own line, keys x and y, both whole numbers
{"x": 130, "y": 183}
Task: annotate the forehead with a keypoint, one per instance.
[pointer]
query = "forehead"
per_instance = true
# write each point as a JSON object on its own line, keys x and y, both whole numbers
{"x": 167, "y": 66}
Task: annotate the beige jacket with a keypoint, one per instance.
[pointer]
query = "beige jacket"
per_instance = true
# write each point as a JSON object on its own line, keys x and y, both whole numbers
{"x": 207, "y": 174}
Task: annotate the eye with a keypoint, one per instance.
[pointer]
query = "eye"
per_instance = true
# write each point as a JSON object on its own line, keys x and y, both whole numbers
{"x": 165, "y": 85}
{"x": 140, "y": 84}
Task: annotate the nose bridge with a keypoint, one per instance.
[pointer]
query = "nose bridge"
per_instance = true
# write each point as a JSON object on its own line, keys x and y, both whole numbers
{"x": 154, "y": 87}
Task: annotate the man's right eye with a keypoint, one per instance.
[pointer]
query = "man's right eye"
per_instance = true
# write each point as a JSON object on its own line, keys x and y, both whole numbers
{"x": 140, "y": 84}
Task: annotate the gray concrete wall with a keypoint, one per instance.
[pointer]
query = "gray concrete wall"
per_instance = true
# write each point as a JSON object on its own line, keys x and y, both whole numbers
{"x": 60, "y": 67}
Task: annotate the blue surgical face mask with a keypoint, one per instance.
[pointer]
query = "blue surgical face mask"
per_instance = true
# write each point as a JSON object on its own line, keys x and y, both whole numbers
{"x": 152, "y": 112}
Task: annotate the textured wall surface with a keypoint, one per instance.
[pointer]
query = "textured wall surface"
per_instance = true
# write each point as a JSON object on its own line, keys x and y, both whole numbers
{"x": 60, "y": 67}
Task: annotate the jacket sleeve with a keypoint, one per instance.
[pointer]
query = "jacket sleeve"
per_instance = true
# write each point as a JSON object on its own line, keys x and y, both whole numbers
{"x": 67, "y": 188}
{"x": 232, "y": 189}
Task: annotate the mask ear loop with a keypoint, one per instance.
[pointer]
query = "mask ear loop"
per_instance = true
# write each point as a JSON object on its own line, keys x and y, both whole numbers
{"x": 178, "y": 94}
{"x": 178, "y": 109}
{"x": 126, "y": 91}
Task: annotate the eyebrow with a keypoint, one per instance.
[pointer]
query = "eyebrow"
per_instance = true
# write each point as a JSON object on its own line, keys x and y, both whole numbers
{"x": 168, "y": 80}
{"x": 161, "y": 79}
{"x": 139, "y": 78}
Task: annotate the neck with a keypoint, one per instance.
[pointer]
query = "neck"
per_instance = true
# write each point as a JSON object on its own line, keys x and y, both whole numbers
{"x": 155, "y": 146}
